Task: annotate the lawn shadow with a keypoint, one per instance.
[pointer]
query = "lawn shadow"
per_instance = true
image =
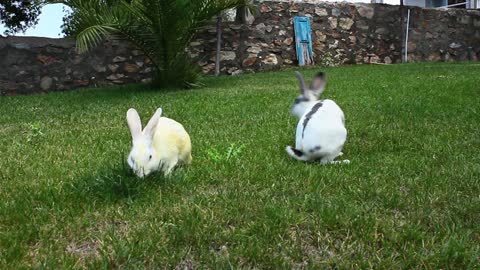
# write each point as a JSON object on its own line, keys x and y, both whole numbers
{"x": 116, "y": 184}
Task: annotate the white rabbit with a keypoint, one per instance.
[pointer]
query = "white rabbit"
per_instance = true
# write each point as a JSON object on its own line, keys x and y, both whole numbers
{"x": 162, "y": 145}
{"x": 321, "y": 130}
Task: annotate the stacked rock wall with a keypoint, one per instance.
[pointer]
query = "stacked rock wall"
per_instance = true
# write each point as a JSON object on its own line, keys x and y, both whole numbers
{"x": 30, "y": 64}
{"x": 342, "y": 33}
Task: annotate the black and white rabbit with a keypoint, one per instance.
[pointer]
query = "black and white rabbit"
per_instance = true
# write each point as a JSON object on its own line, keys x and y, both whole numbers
{"x": 321, "y": 131}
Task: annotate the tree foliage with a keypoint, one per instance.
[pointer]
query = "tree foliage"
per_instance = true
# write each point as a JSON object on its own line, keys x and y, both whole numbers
{"x": 17, "y": 15}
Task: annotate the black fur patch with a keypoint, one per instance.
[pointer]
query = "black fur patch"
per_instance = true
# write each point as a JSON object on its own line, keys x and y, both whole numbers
{"x": 315, "y": 149}
{"x": 298, "y": 153}
{"x": 310, "y": 114}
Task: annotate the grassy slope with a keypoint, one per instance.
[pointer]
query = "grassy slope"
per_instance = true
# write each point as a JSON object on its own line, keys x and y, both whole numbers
{"x": 409, "y": 199}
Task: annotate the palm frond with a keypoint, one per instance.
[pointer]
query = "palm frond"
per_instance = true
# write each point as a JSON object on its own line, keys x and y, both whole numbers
{"x": 91, "y": 36}
{"x": 162, "y": 29}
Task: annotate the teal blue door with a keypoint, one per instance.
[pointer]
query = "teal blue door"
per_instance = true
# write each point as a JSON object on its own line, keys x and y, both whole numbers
{"x": 303, "y": 40}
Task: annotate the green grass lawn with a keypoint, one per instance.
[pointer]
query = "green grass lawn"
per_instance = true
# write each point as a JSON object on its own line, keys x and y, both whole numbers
{"x": 410, "y": 198}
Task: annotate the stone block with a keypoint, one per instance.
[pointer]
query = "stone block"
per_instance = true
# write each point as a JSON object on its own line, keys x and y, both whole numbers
{"x": 270, "y": 59}
{"x": 366, "y": 11}
{"x": 46, "y": 83}
{"x": 346, "y": 23}
{"x": 321, "y": 11}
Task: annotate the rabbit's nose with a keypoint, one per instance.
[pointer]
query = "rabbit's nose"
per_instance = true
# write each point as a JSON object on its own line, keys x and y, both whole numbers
{"x": 139, "y": 171}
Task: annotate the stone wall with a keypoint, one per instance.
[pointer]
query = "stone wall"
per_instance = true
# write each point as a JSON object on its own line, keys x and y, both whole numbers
{"x": 342, "y": 33}
{"x": 31, "y": 64}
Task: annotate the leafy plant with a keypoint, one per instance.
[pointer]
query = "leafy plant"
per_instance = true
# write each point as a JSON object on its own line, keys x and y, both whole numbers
{"x": 232, "y": 152}
{"x": 161, "y": 29}
{"x": 34, "y": 131}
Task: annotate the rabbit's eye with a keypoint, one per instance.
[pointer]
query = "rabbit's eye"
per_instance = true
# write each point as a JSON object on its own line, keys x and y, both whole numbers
{"x": 150, "y": 157}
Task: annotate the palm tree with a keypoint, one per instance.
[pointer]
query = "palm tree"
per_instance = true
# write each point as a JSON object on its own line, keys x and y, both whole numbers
{"x": 161, "y": 29}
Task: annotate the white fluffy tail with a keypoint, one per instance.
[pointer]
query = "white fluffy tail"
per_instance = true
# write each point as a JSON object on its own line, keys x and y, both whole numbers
{"x": 296, "y": 154}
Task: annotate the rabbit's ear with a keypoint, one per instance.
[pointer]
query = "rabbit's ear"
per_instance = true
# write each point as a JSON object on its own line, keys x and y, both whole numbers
{"x": 133, "y": 120}
{"x": 318, "y": 84}
{"x": 301, "y": 81}
{"x": 152, "y": 124}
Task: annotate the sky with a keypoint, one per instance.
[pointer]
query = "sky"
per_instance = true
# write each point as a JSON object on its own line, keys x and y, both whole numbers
{"x": 51, "y": 19}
